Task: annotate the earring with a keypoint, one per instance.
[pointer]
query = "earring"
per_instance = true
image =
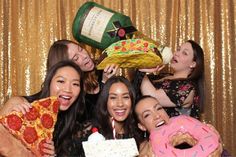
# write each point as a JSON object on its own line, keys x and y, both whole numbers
{"x": 145, "y": 134}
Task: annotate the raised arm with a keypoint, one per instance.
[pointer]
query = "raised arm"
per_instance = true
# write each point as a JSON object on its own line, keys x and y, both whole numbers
{"x": 147, "y": 88}
{"x": 170, "y": 93}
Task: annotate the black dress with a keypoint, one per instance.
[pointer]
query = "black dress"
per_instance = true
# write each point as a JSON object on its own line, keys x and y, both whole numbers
{"x": 73, "y": 147}
{"x": 178, "y": 91}
{"x": 91, "y": 100}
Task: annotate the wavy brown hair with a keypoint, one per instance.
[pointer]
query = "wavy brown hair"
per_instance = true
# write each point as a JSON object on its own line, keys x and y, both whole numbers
{"x": 198, "y": 72}
{"x": 59, "y": 51}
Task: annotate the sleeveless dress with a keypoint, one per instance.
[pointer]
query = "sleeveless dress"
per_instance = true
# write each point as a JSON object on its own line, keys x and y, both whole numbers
{"x": 178, "y": 91}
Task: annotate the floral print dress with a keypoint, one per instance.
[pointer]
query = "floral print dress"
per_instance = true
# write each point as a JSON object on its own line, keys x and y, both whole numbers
{"x": 178, "y": 91}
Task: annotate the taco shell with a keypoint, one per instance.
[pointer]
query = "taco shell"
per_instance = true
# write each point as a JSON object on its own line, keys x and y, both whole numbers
{"x": 131, "y": 53}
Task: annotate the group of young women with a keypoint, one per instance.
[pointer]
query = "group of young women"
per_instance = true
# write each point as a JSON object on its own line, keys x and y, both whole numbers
{"x": 91, "y": 98}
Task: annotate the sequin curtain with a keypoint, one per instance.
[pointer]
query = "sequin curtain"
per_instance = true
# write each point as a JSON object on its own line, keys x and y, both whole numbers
{"x": 28, "y": 28}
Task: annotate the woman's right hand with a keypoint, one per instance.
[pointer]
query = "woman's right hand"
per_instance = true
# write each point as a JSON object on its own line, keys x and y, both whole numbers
{"x": 109, "y": 71}
{"x": 23, "y": 107}
{"x": 18, "y": 104}
{"x": 158, "y": 68}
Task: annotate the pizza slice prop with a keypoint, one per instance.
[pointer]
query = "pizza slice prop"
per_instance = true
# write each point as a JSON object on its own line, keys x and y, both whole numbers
{"x": 34, "y": 127}
{"x": 134, "y": 53}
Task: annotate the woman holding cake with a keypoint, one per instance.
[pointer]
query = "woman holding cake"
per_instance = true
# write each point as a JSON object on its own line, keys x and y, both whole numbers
{"x": 114, "y": 113}
{"x": 182, "y": 91}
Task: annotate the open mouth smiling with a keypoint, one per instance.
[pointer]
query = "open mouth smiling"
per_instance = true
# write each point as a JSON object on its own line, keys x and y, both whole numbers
{"x": 161, "y": 123}
{"x": 65, "y": 97}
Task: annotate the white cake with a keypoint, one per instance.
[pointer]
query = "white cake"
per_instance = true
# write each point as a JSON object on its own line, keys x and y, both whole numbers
{"x": 97, "y": 146}
{"x": 111, "y": 148}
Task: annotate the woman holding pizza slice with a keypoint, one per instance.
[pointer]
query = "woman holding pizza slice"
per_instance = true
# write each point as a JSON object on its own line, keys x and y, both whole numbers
{"x": 65, "y": 81}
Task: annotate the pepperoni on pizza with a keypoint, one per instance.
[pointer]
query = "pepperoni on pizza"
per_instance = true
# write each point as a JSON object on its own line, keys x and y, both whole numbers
{"x": 34, "y": 127}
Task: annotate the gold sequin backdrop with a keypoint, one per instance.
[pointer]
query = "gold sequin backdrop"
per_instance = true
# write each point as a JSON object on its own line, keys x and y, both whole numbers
{"x": 28, "y": 28}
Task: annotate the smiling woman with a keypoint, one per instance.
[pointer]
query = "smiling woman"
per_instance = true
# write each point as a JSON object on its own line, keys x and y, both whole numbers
{"x": 176, "y": 135}
{"x": 65, "y": 81}
{"x": 66, "y": 86}
{"x": 93, "y": 79}
{"x": 147, "y": 114}
{"x": 115, "y": 105}
{"x": 180, "y": 134}
{"x": 119, "y": 102}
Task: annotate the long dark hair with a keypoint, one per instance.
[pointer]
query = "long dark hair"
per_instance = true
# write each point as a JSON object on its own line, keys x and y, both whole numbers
{"x": 102, "y": 115}
{"x": 65, "y": 119}
{"x": 198, "y": 57}
{"x": 197, "y": 75}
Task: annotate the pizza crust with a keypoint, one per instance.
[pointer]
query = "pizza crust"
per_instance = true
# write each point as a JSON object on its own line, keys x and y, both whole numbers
{"x": 10, "y": 146}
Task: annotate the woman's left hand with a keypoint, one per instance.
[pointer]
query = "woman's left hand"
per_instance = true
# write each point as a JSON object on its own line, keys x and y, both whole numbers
{"x": 109, "y": 71}
{"x": 48, "y": 149}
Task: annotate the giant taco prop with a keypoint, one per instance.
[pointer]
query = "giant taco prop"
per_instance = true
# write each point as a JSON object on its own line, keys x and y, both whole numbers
{"x": 134, "y": 53}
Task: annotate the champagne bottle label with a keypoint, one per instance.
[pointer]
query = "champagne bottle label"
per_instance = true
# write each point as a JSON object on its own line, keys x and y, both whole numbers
{"x": 95, "y": 23}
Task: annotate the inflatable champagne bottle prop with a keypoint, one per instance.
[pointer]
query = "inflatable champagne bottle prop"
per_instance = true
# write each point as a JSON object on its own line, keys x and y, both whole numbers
{"x": 99, "y": 27}
{"x": 120, "y": 41}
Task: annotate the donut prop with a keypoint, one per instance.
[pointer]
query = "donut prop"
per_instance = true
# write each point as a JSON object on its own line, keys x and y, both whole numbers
{"x": 134, "y": 53}
{"x": 185, "y": 136}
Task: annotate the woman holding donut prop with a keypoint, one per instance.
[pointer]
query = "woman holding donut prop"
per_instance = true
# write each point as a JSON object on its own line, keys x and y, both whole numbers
{"x": 180, "y": 136}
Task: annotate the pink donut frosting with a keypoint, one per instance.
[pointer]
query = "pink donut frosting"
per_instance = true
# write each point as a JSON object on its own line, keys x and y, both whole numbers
{"x": 207, "y": 139}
